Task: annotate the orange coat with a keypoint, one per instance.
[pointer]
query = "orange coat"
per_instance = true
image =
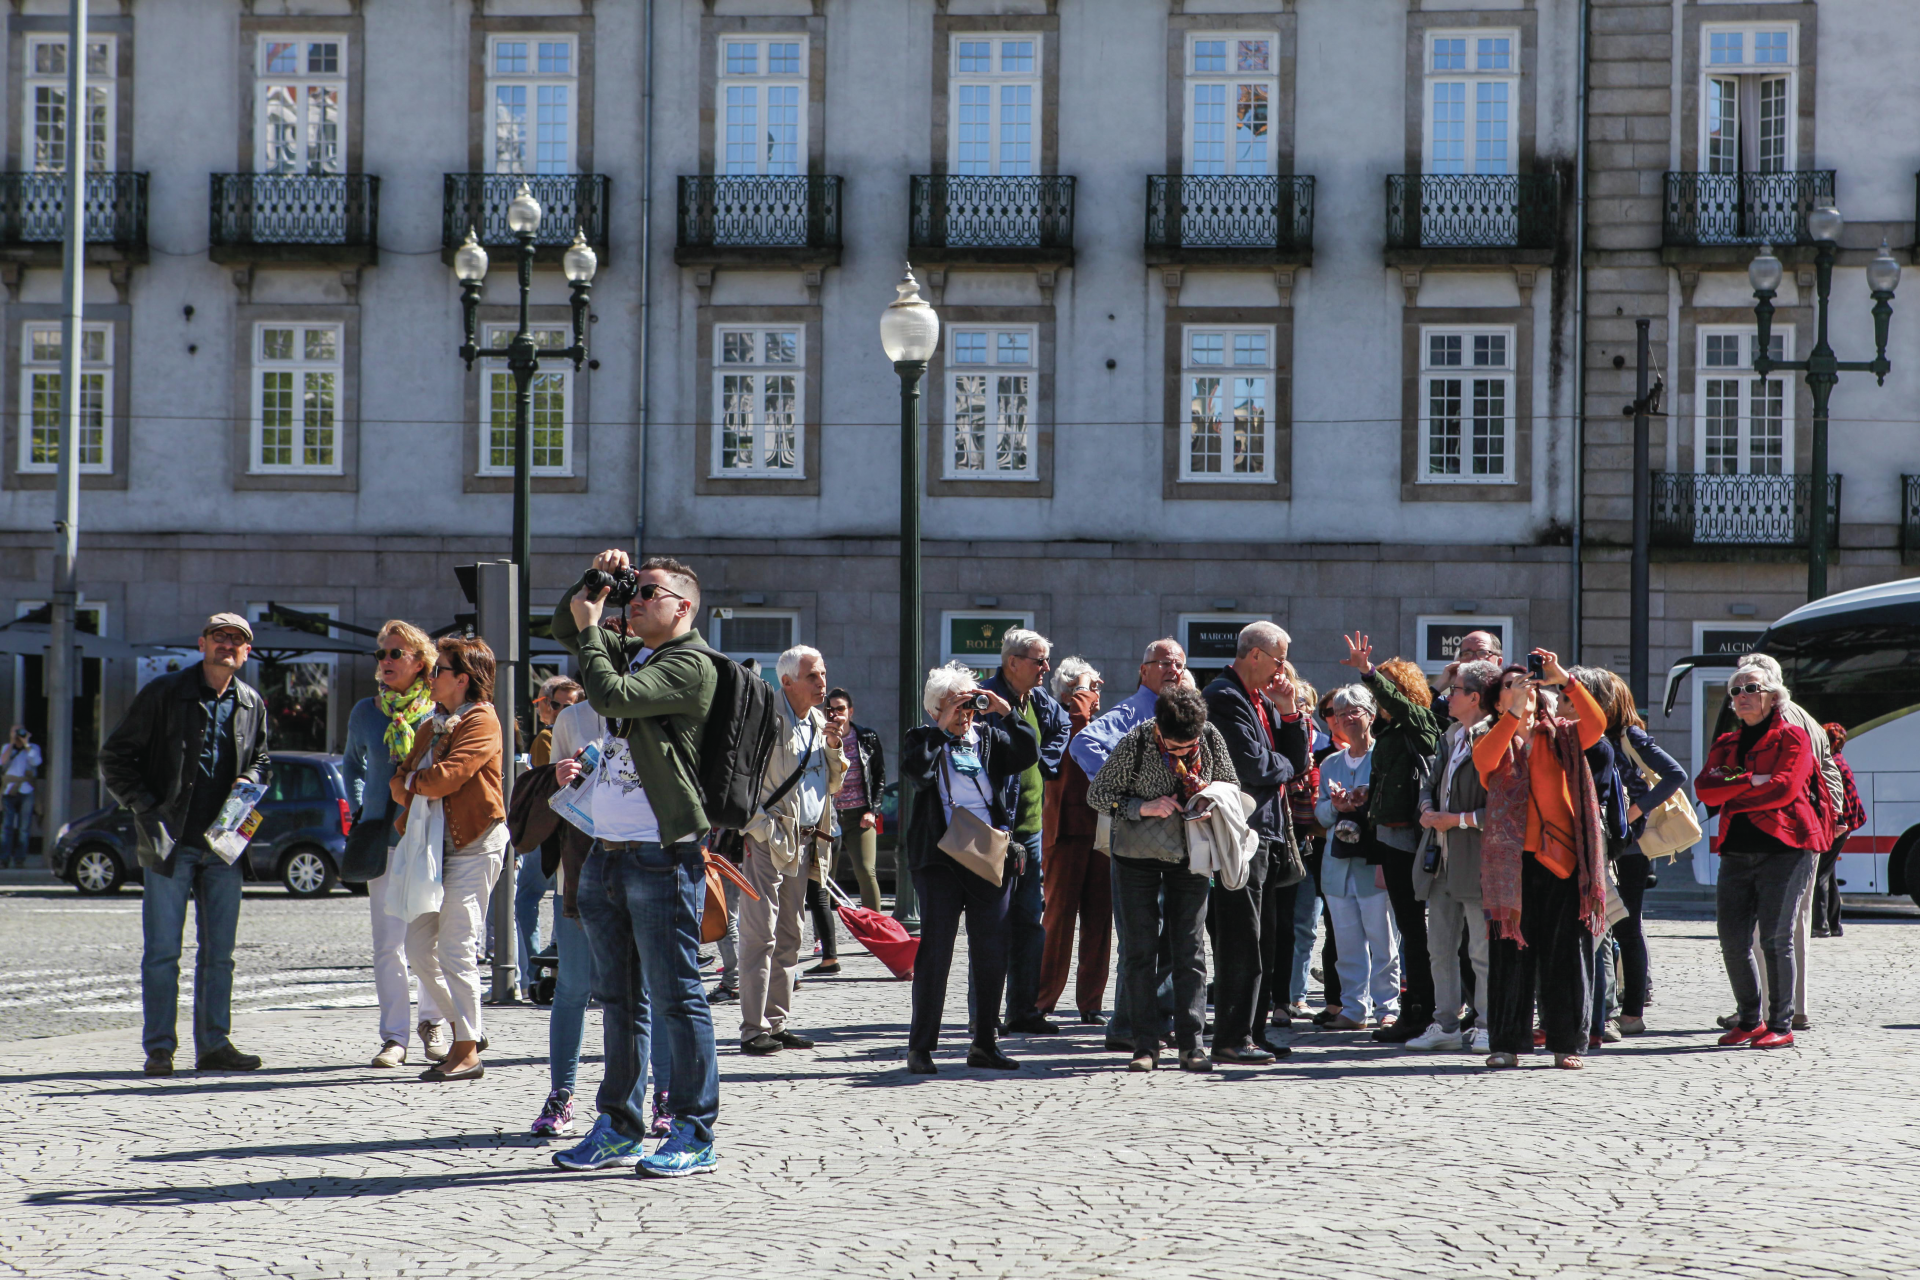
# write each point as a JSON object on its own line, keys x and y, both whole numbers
{"x": 1546, "y": 780}
{"x": 464, "y": 775}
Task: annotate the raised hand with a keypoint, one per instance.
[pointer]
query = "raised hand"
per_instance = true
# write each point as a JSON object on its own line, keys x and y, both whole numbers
{"x": 1359, "y": 653}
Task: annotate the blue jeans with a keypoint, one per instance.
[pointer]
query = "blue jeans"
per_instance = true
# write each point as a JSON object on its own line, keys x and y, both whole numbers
{"x": 1120, "y": 1026}
{"x": 1306, "y": 914}
{"x": 641, "y": 905}
{"x": 15, "y": 826}
{"x": 532, "y": 887}
{"x": 214, "y": 887}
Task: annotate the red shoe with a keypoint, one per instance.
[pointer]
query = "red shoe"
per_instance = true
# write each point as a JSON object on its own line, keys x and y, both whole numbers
{"x": 1738, "y": 1036}
{"x": 1774, "y": 1040}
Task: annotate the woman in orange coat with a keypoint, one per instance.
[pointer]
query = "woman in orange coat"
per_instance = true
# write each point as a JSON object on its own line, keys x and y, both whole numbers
{"x": 455, "y": 763}
{"x": 1542, "y": 864}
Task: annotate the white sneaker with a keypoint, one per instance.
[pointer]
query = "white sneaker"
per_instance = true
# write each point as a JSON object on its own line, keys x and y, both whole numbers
{"x": 435, "y": 1040}
{"x": 392, "y": 1054}
{"x": 1478, "y": 1041}
{"x": 1435, "y": 1038}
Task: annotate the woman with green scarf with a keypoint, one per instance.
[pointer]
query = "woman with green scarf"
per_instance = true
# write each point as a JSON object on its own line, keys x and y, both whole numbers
{"x": 379, "y": 735}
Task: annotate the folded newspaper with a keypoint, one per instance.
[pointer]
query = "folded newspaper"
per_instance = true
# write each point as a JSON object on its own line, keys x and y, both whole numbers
{"x": 572, "y": 802}
{"x": 238, "y": 820}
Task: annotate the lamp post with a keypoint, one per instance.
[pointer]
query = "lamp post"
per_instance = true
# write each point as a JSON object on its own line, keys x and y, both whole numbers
{"x": 523, "y": 361}
{"x": 910, "y": 332}
{"x": 1822, "y": 369}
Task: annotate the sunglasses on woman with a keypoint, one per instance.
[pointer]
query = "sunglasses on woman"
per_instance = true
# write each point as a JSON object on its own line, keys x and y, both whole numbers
{"x": 444, "y": 670}
{"x": 1747, "y": 688}
{"x": 389, "y": 655}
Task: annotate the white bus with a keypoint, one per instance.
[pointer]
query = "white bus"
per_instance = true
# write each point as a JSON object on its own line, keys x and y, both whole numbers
{"x": 1854, "y": 658}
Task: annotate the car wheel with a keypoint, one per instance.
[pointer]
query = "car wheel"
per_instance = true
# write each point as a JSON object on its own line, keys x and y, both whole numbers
{"x": 308, "y": 873}
{"x": 97, "y": 870}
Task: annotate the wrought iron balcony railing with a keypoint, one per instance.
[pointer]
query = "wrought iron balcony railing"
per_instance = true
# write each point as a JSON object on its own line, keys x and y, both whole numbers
{"x": 959, "y": 211}
{"x": 721, "y": 213}
{"x": 295, "y": 210}
{"x": 1472, "y": 211}
{"x": 33, "y": 209}
{"x": 1693, "y": 509}
{"x": 1208, "y": 212}
{"x": 567, "y": 201}
{"x": 1743, "y": 208}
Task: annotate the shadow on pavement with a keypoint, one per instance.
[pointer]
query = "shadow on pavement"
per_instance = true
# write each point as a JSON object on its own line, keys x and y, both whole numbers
{"x": 306, "y": 1188}
{"x": 450, "y": 1142}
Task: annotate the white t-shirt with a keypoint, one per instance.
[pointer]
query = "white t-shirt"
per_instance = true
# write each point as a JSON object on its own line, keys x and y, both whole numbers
{"x": 615, "y": 796}
{"x": 21, "y": 765}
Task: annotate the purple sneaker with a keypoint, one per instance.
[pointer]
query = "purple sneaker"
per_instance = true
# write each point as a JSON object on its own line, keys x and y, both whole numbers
{"x": 662, "y": 1118}
{"x": 556, "y": 1118}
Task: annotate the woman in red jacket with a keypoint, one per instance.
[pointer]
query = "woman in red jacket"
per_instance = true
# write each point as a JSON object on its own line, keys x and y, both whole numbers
{"x": 1764, "y": 782}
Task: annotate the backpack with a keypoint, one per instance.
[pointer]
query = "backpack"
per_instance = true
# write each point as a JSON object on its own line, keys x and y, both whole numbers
{"x": 741, "y": 731}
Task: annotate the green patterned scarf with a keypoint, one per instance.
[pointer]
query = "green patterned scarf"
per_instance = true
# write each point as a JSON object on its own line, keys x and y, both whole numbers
{"x": 403, "y": 711}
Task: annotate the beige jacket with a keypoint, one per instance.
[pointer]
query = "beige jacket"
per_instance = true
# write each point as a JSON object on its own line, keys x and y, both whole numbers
{"x": 778, "y": 830}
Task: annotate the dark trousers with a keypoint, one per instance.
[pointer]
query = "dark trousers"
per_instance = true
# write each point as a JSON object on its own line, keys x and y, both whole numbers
{"x": 1637, "y": 981}
{"x": 1234, "y": 917}
{"x": 1826, "y": 891}
{"x": 821, "y": 909}
{"x": 1410, "y": 917}
{"x": 1026, "y": 930}
{"x": 945, "y": 892}
{"x": 1120, "y": 1028}
{"x": 1558, "y": 960}
{"x": 1139, "y": 883}
{"x": 1276, "y": 955}
{"x": 1762, "y": 888}
{"x": 1079, "y": 887}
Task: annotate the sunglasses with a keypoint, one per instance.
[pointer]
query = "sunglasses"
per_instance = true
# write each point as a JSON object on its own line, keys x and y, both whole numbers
{"x": 231, "y": 639}
{"x": 444, "y": 670}
{"x": 1746, "y": 688}
{"x": 389, "y": 655}
{"x": 649, "y": 590}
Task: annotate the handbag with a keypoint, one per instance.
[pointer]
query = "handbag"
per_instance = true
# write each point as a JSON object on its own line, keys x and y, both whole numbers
{"x": 975, "y": 845}
{"x": 1285, "y": 866}
{"x": 416, "y": 888}
{"x": 713, "y": 919}
{"x": 365, "y": 857}
{"x": 1674, "y": 826}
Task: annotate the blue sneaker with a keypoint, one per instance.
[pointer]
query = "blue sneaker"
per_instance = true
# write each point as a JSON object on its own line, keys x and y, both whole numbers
{"x": 602, "y": 1148}
{"x": 680, "y": 1156}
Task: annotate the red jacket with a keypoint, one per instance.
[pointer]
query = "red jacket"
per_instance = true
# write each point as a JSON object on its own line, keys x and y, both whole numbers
{"x": 1792, "y": 805}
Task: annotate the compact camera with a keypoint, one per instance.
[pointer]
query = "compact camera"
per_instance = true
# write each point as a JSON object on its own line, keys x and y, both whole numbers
{"x": 620, "y": 587}
{"x": 979, "y": 702}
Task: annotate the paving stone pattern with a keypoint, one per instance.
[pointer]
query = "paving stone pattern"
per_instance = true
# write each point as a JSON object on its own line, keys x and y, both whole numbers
{"x": 1666, "y": 1157}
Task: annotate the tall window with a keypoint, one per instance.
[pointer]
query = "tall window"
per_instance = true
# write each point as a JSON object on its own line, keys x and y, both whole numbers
{"x": 551, "y": 420}
{"x": 1472, "y": 86}
{"x": 757, "y": 396}
{"x": 530, "y": 91}
{"x": 46, "y": 119}
{"x": 763, "y": 106}
{"x": 1743, "y": 423}
{"x": 41, "y": 372}
{"x": 1230, "y": 93}
{"x": 990, "y": 397}
{"x": 1746, "y": 117}
{"x": 1466, "y": 405}
{"x": 302, "y": 104}
{"x": 1229, "y": 377}
{"x": 996, "y": 105}
{"x": 296, "y": 395}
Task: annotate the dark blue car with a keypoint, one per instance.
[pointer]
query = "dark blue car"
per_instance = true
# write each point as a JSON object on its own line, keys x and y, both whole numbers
{"x": 303, "y": 833}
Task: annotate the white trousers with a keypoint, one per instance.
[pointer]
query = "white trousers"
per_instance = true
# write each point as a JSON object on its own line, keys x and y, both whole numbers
{"x": 390, "y": 979}
{"x": 443, "y": 945}
{"x": 1369, "y": 956}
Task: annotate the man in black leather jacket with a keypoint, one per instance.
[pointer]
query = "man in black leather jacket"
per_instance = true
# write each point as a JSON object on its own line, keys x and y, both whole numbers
{"x": 189, "y": 736}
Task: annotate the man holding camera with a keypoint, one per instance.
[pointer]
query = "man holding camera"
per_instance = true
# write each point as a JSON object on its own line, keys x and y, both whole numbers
{"x": 643, "y": 890}
{"x": 19, "y": 763}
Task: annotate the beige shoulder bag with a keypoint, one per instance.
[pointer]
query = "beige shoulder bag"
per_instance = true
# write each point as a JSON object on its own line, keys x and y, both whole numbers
{"x": 976, "y": 845}
{"x": 1673, "y": 826}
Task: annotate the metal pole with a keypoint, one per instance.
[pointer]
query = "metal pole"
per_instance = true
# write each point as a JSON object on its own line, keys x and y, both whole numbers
{"x": 60, "y": 663}
{"x": 524, "y": 361}
{"x": 911, "y": 648}
{"x": 1822, "y": 376}
{"x": 497, "y": 609}
{"x": 1642, "y": 521}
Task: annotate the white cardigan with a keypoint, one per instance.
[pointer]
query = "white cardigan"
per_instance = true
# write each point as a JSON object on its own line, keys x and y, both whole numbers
{"x": 1222, "y": 845}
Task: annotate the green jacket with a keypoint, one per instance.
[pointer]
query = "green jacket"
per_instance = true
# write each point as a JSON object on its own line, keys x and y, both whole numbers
{"x": 667, "y": 703}
{"x": 1399, "y": 747}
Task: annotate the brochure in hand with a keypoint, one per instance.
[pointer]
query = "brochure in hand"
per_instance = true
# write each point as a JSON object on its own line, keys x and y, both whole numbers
{"x": 237, "y": 822}
{"x": 572, "y": 801}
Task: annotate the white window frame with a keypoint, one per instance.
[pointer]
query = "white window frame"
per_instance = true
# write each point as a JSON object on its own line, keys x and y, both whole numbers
{"x": 32, "y": 370}
{"x": 763, "y": 431}
{"x": 554, "y": 371}
{"x": 720, "y": 620}
{"x": 308, "y": 157}
{"x": 996, "y": 82}
{"x": 979, "y": 662}
{"x": 533, "y": 82}
{"x": 1231, "y": 82}
{"x": 994, "y": 373}
{"x": 1473, "y": 77}
{"x": 1745, "y": 378}
{"x": 1468, "y": 372}
{"x": 300, "y": 367}
{"x": 1190, "y": 370}
{"x": 100, "y": 93}
{"x": 758, "y": 82}
{"x": 1752, "y": 76}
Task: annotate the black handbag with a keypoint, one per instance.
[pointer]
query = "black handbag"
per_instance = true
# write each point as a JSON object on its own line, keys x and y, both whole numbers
{"x": 365, "y": 857}
{"x": 1285, "y": 866}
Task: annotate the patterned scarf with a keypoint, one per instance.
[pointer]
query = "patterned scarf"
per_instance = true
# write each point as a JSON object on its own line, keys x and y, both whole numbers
{"x": 403, "y": 711}
{"x": 1503, "y": 847}
{"x": 1185, "y": 767}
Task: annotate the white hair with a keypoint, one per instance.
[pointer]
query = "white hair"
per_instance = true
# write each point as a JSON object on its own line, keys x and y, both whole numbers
{"x": 1260, "y": 635}
{"x": 1353, "y": 695}
{"x": 1167, "y": 641}
{"x": 1767, "y": 672}
{"x": 1018, "y": 642}
{"x": 941, "y": 681}
{"x": 1069, "y": 672}
{"x": 788, "y": 665}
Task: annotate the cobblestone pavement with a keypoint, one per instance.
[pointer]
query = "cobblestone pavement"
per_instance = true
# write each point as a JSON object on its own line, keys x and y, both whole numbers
{"x": 1666, "y": 1157}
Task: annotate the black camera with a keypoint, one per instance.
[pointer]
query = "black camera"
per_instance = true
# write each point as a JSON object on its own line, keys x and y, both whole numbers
{"x": 1536, "y": 667}
{"x": 979, "y": 702}
{"x": 620, "y": 587}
